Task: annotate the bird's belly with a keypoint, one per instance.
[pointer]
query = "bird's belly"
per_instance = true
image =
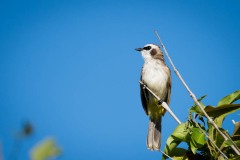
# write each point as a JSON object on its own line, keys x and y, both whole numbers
{"x": 156, "y": 80}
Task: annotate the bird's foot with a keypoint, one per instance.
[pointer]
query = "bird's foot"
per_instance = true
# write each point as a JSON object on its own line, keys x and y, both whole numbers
{"x": 160, "y": 102}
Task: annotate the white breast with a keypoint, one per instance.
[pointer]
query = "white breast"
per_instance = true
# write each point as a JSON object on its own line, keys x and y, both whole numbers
{"x": 155, "y": 77}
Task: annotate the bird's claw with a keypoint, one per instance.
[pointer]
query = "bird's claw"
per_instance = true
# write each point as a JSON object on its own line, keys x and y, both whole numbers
{"x": 160, "y": 102}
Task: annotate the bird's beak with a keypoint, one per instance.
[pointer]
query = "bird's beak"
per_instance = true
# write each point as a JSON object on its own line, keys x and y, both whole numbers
{"x": 139, "y": 49}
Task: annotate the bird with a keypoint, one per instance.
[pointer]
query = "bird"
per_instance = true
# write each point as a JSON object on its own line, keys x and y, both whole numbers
{"x": 156, "y": 76}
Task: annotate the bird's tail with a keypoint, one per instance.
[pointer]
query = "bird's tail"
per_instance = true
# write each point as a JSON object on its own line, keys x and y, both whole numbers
{"x": 154, "y": 134}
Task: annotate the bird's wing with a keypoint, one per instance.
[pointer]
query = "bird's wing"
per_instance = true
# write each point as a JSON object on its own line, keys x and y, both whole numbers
{"x": 169, "y": 86}
{"x": 144, "y": 98}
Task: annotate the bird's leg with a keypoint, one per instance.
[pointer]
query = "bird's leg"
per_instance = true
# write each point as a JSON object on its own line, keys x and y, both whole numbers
{"x": 160, "y": 102}
{"x": 144, "y": 87}
{"x": 144, "y": 91}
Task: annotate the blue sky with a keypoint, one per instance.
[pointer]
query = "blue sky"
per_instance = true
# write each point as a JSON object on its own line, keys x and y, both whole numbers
{"x": 70, "y": 68}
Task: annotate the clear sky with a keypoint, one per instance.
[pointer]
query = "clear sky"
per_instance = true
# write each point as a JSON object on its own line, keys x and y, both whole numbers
{"x": 70, "y": 68}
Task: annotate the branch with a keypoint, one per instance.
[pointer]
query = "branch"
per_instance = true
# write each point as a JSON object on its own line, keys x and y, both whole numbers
{"x": 164, "y": 104}
{"x": 195, "y": 99}
{"x": 165, "y": 154}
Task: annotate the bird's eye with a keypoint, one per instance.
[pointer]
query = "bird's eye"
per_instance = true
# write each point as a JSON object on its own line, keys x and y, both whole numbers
{"x": 147, "y": 48}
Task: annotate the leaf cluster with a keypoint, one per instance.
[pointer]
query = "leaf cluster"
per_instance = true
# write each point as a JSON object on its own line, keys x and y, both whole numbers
{"x": 203, "y": 140}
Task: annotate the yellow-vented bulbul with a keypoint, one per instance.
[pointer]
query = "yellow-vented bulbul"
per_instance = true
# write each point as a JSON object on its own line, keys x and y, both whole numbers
{"x": 156, "y": 76}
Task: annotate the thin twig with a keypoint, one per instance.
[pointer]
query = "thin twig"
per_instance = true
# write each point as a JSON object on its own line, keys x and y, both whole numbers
{"x": 164, "y": 104}
{"x": 166, "y": 154}
{"x": 195, "y": 99}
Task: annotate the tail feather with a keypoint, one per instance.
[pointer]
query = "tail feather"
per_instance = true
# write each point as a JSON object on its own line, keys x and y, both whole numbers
{"x": 154, "y": 134}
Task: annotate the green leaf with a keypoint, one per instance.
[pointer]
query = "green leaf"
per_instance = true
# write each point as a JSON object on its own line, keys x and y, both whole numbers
{"x": 197, "y": 139}
{"x": 171, "y": 144}
{"x": 219, "y": 140}
{"x": 236, "y": 131}
{"x": 201, "y": 98}
{"x": 221, "y": 110}
{"x": 196, "y": 109}
{"x": 178, "y": 152}
{"x": 229, "y": 99}
{"x": 179, "y": 158}
{"x": 227, "y": 143}
{"x": 180, "y": 133}
{"x": 45, "y": 149}
{"x": 198, "y": 136}
{"x": 219, "y": 113}
{"x": 193, "y": 148}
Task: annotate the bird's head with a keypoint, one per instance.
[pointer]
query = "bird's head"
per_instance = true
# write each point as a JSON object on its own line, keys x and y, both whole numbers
{"x": 151, "y": 51}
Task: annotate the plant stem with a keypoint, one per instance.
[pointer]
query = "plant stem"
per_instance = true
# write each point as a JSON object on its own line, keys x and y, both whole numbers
{"x": 165, "y": 154}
